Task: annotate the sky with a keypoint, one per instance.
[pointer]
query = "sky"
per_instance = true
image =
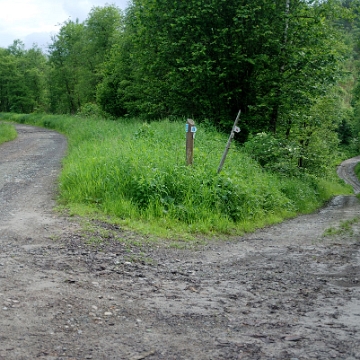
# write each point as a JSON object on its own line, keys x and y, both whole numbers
{"x": 35, "y": 21}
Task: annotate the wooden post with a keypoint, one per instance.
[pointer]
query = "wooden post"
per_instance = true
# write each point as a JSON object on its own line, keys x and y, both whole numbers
{"x": 232, "y": 134}
{"x": 190, "y": 135}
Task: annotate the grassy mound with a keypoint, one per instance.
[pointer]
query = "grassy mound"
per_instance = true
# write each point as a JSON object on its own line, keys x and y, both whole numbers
{"x": 135, "y": 173}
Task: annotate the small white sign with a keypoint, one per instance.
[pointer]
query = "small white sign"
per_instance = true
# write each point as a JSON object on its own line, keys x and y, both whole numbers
{"x": 236, "y": 129}
{"x": 193, "y": 129}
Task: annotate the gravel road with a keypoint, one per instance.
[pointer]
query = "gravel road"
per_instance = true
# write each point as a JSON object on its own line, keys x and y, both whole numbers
{"x": 283, "y": 292}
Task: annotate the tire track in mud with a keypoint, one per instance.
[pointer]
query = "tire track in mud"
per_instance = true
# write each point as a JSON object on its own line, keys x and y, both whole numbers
{"x": 284, "y": 292}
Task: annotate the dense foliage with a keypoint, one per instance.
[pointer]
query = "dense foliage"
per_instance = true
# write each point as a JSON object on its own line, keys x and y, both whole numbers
{"x": 290, "y": 66}
{"x": 22, "y": 79}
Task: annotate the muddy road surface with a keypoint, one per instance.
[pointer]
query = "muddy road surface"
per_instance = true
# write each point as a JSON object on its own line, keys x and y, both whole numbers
{"x": 284, "y": 292}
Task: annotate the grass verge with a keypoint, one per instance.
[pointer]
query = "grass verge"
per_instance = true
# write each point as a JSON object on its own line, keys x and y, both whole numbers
{"x": 133, "y": 174}
{"x": 7, "y": 132}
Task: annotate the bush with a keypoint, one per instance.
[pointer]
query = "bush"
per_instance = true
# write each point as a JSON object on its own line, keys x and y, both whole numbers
{"x": 89, "y": 110}
{"x": 273, "y": 153}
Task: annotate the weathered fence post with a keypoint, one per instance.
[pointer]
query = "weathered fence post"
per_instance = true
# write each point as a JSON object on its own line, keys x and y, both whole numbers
{"x": 234, "y": 130}
{"x": 190, "y": 135}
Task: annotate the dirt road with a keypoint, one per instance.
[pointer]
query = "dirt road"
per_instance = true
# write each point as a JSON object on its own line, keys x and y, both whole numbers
{"x": 284, "y": 292}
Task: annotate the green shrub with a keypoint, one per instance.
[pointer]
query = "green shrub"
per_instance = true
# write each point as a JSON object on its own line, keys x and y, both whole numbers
{"x": 273, "y": 153}
{"x": 89, "y": 110}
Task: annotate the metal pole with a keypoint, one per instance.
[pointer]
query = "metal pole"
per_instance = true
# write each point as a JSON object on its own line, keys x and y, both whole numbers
{"x": 232, "y": 134}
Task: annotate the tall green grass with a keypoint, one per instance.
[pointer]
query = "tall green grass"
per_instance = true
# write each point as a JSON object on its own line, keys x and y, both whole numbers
{"x": 135, "y": 172}
{"x": 7, "y": 132}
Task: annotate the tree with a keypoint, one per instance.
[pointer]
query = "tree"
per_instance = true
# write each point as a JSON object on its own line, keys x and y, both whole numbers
{"x": 76, "y": 55}
{"x": 65, "y": 58}
{"x": 7, "y": 74}
{"x": 114, "y": 91}
{"x": 22, "y": 78}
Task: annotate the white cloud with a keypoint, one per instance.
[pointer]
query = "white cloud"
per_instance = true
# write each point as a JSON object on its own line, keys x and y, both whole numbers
{"x": 34, "y": 21}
